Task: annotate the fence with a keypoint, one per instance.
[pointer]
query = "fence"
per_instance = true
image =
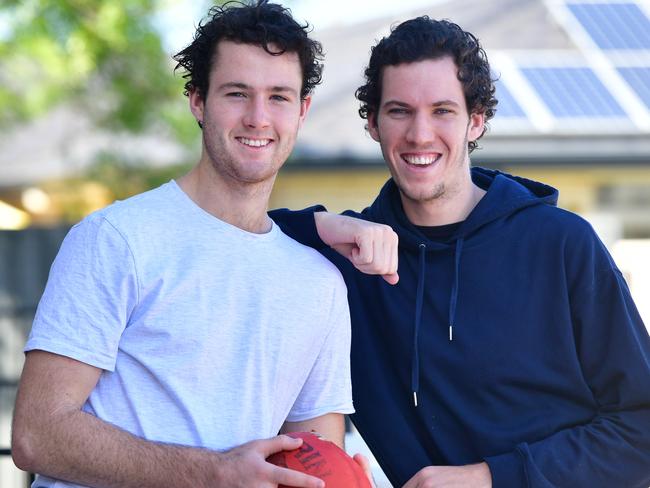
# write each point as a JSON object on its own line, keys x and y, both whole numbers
{"x": 25, "y": 259}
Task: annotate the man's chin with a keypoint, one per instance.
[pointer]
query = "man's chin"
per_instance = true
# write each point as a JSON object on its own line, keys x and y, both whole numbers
{"x": 421, "y": 195}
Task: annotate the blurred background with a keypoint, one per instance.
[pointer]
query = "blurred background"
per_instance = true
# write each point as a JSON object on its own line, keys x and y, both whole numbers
{"x": 91, "y": 112}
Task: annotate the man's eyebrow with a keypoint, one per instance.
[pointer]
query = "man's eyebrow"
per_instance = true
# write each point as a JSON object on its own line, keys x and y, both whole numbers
{"x": 445, "y": 102}
{"x": 283, "y": 89}
{"x": 434, "y": 104}
{"x": 234, "y": 84}
{"x": 396, "y": 102}
{"x": 243, "y": 86}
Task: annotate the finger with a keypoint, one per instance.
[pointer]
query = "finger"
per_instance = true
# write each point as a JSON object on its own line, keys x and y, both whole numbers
{"x": 412, "y": 483}
{"x": 379, "y": 256}
{"x": 278, "y": 443}
{"x": 421, "y": 478}
{"x": 390, "y": 251}
{"x": 392, "y": 278}
{"x": 384, "y": 259}
{"x": 364, "y": 252}
{"x": 362, "y": 461}
{"x": 289, "y": 477}
{"x": 345, "y": 249}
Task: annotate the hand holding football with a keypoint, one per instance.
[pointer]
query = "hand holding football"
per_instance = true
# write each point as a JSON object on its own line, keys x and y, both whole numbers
{"x": 322, "y": 459}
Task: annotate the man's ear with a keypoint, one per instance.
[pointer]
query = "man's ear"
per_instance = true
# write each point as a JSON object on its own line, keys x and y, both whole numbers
{"x": 305, "y": 103}
{"x": 373, "y": 128}
{"x": 197, "y": 106}
{"x": 476, "y": 126}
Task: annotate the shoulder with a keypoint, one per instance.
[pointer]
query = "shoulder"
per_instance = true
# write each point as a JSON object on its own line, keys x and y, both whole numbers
{"x": 131, "y": 220}
{"x": 94, "y": 232}
{"x": 313, "y": 263}
{"x": 578, "y": 240}
{"x": 557, "y": 221}
{"x": 547, "y": 230}
{"x": 131, "y": 211}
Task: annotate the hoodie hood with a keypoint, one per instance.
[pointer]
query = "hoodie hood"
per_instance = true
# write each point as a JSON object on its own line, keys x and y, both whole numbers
{"x": 505, "y": 195}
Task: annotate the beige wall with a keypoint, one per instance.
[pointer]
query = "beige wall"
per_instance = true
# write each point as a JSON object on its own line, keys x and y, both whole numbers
{"x": 340, "y": 189}
{"x": 579, "y": 186}
{"x": 337, "y": 189}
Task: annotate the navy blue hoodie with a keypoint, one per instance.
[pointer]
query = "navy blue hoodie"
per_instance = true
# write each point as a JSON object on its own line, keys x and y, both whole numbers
{"x": 547, "y": 373}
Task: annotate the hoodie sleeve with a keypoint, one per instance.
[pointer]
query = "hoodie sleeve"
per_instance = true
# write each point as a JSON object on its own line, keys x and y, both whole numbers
{"x": 613, "y": 347}
{"x": 301, "y": 226}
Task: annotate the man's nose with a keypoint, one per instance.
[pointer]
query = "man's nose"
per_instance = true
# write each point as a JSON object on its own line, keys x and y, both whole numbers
{"x": 421, "y": 130}
{"x": 257, "y": 114}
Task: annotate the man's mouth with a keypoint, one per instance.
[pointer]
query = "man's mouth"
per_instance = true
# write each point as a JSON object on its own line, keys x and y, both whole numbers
{"x": 250, "y": 142}
{"x": 421, "y": 159}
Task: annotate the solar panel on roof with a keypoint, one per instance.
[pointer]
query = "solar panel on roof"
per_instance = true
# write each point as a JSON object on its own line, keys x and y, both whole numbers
{"x": 573, "y": 92}
{"x": 507, "y": 106}
{"x": 639, "y": 79}
{"x": 614, "y": 25}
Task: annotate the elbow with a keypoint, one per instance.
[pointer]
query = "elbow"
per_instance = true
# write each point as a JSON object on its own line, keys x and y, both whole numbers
{"x": 21, "y": 458}
{"x": 23, "y": 448}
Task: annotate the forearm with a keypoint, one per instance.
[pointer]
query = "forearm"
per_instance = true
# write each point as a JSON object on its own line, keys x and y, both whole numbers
{"x": 612, "y": 450}
{"x": 78, "y": 447}
{"x": 334, "y": 229}
{"x": 314, "y": 226}
{"x": 331, "y": 426}
{"x": 371, "y": 248}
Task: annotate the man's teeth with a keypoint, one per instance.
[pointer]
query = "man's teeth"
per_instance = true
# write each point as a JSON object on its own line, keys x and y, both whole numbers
{"x": 254, "y": 142}
{"x": 420, "y": 160}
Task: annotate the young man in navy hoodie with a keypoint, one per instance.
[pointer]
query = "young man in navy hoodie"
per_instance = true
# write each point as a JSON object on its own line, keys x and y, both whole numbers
{"x": 510, "y": 352}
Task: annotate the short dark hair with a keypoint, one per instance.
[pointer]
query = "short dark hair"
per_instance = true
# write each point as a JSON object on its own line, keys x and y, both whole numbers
{"x": 424, "y": 38}
{"x": 262, "y": 24}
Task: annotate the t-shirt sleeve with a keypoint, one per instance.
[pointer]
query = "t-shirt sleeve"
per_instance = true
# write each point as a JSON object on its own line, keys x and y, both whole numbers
{"x": 328, "y": 387}
{"x": 90, "y": 294}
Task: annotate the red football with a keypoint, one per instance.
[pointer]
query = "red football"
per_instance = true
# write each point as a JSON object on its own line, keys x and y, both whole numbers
{"x": 322, "y": 459}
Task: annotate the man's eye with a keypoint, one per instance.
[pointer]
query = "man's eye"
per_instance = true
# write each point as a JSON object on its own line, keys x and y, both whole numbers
{"x": 236, "y": 94}
{"x": 279, "y": 98}
{"x": 442, "y": 111}
{"x": 397, "y": 111}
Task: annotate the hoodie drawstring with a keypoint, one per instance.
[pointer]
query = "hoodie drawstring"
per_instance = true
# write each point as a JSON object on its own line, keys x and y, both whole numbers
{"x": 415, "y": 361}
{"x": 454, "y": 288}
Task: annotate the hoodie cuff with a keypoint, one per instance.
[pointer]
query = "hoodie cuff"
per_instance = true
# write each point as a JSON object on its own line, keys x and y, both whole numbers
{"x": 507, "y": 470}
{"x": 300, "y": 225}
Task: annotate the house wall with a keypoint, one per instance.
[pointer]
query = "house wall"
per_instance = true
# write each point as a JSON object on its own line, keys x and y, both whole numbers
{"x": 615, "y": 198}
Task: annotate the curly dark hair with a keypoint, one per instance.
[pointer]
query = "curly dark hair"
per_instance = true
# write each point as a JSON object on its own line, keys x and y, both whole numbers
{"x": 424, "y": 38}
{"x": 263, "y": 24}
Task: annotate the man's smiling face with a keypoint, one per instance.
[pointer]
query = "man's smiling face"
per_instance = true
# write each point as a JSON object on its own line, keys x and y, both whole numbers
{"x": 423, "y": 127}
{"x": 252, "y": 111}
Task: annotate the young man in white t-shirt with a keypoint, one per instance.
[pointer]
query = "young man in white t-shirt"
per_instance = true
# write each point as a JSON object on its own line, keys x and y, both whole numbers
{"x": 181, "y": 326}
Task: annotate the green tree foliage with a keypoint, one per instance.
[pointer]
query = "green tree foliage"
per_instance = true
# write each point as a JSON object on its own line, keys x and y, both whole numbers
{"x": 105, "y": 55}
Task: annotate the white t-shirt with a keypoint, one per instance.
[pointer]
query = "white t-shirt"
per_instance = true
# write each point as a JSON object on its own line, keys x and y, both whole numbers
{"x": 208, "y": 335}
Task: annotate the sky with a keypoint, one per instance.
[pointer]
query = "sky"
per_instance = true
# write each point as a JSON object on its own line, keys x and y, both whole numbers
{"x": 178, "y": 21}
{"x": 325, "y": 13}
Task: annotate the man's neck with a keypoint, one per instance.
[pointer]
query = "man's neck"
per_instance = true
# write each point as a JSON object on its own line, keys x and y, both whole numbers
{"x": 241, "y": 205}
{"x": 451, "y": 207}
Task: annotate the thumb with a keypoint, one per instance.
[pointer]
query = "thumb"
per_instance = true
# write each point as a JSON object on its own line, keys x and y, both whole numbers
{"x": 392, "y": 278}
{"x": 362, "y": 461}
{"x": 344, "y": 249}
